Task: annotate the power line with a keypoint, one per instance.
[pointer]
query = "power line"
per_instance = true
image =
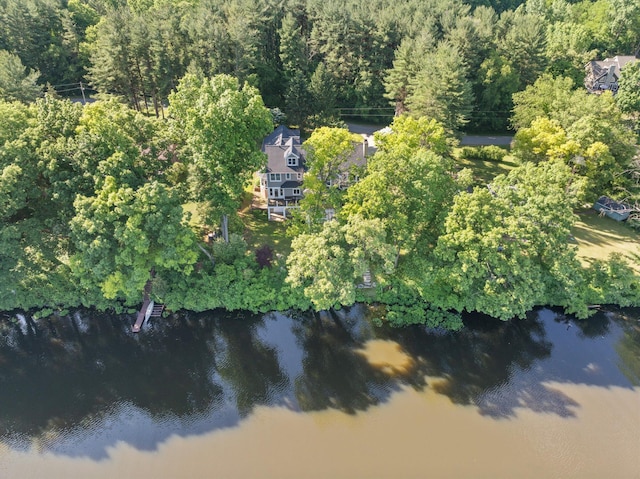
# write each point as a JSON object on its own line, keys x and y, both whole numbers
{"x": 66, "y": 84}
{"x": 68, "y": 89}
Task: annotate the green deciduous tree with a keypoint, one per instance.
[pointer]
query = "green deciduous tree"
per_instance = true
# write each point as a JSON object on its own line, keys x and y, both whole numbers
{"x": 115, "y": 140}
{"x": 222, "y": 125}
{"x": 568, "y": 49}
{"x": 329, "y": 264}
{"x": 408, "y": 134}
{"x": 546, "y": 140}
{"x": 15, "y": 119}
{"x": 505, "y": 249}
{"x": 497, "y": 81}
{"x": 328, "y": 153}
{"x": 121, "y": 235}
{"x": 550, "y": 97}
{"x": 628, "y": 96}
{"x": 586, "y": 120}
{"x": 407, "y": 185}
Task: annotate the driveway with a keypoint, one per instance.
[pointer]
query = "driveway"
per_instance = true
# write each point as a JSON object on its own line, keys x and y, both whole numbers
{"x": 485, "y": 140}
{"x": 467, "y": 140}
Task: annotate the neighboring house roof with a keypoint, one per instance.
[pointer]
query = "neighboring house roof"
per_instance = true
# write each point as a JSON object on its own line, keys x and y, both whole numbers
{"x": 604, "y": 74}
{"x": 281, "y": 144}
{"x": 357, "y": 158}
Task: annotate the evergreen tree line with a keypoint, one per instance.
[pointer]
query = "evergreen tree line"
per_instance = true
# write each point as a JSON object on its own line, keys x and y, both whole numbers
{"x": 459, "y": 62}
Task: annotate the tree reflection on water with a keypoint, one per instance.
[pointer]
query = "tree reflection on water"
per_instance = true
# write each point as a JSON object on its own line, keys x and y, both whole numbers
{"x": 248, "y": 365}
{"x": 86, "y": 375}
{"x": 334, "y": 376}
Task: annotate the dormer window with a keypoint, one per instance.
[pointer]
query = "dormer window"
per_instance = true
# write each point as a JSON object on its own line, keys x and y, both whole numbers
{"x": 292, "y": 161}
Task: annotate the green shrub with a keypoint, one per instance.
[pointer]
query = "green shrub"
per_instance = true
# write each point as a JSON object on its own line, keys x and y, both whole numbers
{"x": 228, "y": 253}
{"x": 483, "y": 153}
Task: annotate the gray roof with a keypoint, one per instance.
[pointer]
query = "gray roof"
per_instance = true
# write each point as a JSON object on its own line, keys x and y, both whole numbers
{"x": 281, "y": 136}
{"x": 284, "y": 142}
{"x": 598, "y": 70}
{"x": 281, "y": 144}
{"x": 358, "y": 157}
{"x": 291, "y": 184}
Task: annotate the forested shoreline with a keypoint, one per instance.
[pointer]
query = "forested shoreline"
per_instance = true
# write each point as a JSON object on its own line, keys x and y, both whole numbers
{"x": 96, "y": 199}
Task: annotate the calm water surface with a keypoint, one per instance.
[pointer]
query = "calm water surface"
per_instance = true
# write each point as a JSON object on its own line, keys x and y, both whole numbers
{"x": 324, "y": 396}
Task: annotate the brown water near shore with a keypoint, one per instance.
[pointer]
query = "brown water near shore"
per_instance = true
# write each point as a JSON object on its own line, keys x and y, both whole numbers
{"x": 548, "y": 399}
{"x": 416, "y": 434}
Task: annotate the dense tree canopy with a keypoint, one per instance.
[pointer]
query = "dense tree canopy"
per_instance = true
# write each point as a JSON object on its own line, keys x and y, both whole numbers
{"x": 329, "y": 264}
{"x": 93, "y": 198}
{"x": 431, "y": 57}
{"x": 328, "y": 153}
{"x": 122, "y": 235}
{"x": 586, "y": 131}
{"x": 221, "y": 126}
{"x": 628, "y": 96}
{"x": 504, "y": 246}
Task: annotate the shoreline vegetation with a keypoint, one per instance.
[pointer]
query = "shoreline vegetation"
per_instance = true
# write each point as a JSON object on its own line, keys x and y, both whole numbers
{"x": 147, "y": 185}
{"x": 122, "y": 199}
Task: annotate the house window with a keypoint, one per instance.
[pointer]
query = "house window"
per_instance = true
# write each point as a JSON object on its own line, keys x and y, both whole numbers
{"x": 275, "y": 193}
{"x": 296, "y": 192}
{"x": 274, "y": 176}
{"x": 288, "y": 176}
{"x": 292, "y": 161}
{"x": 299, "y": 176}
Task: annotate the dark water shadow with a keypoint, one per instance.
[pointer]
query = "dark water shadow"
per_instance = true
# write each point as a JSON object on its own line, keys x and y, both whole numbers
{"x": 79, "y": 371}
{"x": 501, "y": 367}
{"x": 477, "y": 366}
{"x": 80, "y": 384}
{"x": 334, "y": 375}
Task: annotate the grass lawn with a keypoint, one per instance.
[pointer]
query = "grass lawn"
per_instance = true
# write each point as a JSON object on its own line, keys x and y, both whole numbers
{"x": 485, "y": 171}
{"x": 598, "y": 236}
{"x": 195, "y": 221}
{"x": 260, "y": 231}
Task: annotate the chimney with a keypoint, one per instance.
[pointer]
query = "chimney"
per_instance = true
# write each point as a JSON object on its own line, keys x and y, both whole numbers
{"x": 610, "y": 76}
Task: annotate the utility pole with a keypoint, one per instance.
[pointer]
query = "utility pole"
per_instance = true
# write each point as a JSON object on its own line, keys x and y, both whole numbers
{"x": 84, "y": 100}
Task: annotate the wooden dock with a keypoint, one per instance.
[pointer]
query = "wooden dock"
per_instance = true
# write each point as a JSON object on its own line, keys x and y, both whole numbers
{"x": 142, "y": 315}
{"x": 148, "y": 309}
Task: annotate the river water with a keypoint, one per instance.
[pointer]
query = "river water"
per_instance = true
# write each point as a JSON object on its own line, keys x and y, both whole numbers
{"x": 330, "y": 395}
